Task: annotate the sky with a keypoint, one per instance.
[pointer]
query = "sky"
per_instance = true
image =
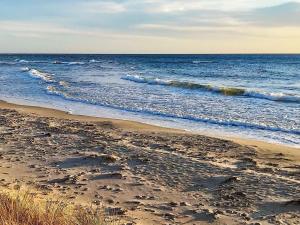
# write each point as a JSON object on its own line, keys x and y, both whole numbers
{"x": 150, "y": 26}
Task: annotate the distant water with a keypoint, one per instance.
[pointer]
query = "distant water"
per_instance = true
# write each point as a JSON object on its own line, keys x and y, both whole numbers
{"x": 252, "y": 96}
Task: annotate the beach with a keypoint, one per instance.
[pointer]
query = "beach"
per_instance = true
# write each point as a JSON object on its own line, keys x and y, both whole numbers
{"x": 148, "y": 174}
{"x": 245, "y": 96}
{"x": 149, "y": 112}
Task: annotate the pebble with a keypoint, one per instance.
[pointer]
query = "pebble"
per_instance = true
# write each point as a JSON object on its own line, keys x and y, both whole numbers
{"x": 116, "y": 211}
{"x": 170, "y": 216}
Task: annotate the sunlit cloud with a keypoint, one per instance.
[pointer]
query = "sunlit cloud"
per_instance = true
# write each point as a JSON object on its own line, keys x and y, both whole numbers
{"x": 185, "y": 22}
{"x": 103, "y": 7}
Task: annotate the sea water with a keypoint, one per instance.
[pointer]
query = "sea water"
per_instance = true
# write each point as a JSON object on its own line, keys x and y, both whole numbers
{"x": 250, "y": 96}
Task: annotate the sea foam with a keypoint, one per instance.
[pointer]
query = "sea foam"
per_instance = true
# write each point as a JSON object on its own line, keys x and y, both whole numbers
{"x": 38, "y": 74}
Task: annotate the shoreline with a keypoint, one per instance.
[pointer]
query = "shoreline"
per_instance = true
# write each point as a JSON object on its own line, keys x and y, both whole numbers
{"x": 147, "y": 174}
{"x": 261, "y": 146}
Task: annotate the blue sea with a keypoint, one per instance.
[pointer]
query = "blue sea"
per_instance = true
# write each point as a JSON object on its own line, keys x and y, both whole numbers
{"x": 249, "y": 96}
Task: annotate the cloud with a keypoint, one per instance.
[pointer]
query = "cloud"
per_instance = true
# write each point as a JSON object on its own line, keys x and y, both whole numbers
{"x": 29, "y": 29}
{"x": 182, "y": 21}
{"x": 107, "y": 7}
{"x": 44, "y": 30}
{"x": 179, "y": 6}
{"x": 287, "y": 14}
{"x": 254, "y": 22}
{"x": 166, "y": 27}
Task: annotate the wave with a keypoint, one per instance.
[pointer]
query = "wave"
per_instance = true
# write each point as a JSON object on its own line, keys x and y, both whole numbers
{"x": 7, "y": 63}
{"x": 180, "y": 62}
{"x": 94, "y": 61}
{"x": 44, "y": 76}
{"x": 57, "y": 62}
{"x": 76, "y": 63}
{"x": 38, "y": 74}
{"x": 63, "y": 83}
{"x": 54, "y": 91}
{"x": 23, "y": 61}
{"x": 202, "y": 61}
{"x": 273, "y": 96}
{"x": 228, "y": 91}
{"x": 68, "y": 63}
{"x": 25, "y": 69}
{"x": 30, "y": 61}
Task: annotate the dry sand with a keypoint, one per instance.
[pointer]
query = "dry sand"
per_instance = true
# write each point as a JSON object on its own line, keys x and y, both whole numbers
{"x": 148, "y": 174}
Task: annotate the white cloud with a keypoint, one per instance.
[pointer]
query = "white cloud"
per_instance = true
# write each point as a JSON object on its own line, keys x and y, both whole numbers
{"x": 177, "y": 21}
{"x": 108, "y": 7}
{"x": 176, "y": 6}
{"x": 220, "y": 31}
{"x": 29, "y": 29}
{"x": 167, "y": 27}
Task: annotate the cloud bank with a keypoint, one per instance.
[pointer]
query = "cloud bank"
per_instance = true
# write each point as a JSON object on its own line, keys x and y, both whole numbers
{"x": 150, "y": 26}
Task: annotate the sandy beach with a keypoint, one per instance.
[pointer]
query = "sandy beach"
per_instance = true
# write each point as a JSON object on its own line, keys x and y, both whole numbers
{"x": 148, "y": 174}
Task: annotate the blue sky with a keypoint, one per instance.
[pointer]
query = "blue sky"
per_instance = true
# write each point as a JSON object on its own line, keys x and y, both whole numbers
{"x": 150, "y": 26}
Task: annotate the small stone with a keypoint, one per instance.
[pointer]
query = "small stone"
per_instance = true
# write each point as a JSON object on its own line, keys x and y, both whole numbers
{"x": 157, "y": 189}
{"x": 173, "y": 204}
{"x": 116, "y": 211}
{"x": 184, "y": 204}
{"x": 97, "y": 202}
{"x": 110, "y": 201}
{"x": 33, "y": 166}
{"x": 170, "y": 216}
{"x": 149, "y": 210}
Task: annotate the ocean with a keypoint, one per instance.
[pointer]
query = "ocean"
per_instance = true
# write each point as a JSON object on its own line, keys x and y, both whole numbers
{"x": 249, "y": 96}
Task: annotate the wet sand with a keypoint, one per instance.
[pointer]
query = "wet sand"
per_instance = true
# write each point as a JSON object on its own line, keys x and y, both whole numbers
{"x": 148, "y": 174}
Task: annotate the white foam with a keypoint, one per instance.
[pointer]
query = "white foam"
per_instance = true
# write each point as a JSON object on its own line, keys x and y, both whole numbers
{"x": 38, "y": 74}
{"x": 273, "y": 96}
{"x": 68, "y": 63}
{"x": 23, "y": 61}
{"x": 76, "y": 63}
{"x": 53, "y": 90}
{"x": 41, "y": 75}
{"x": 139, "y": 79}
{"x": 63, "y": 83}
{"x": 25, "y": 69}
{"x": 94, "y": 61}
{"x": 31, "y": 61}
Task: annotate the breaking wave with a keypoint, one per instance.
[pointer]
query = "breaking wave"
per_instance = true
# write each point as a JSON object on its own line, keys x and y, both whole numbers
{"x": 228, "y": 91}
{"x": 59, "y": 88}
{"x": 30, "y": 61}
{"x": 94, "y": 61}
{"x": 71, "y": 63}
{"x": 38, "y": 74}
{"x": 63, "y": 83}
{"x": 54, "y": 62}
{"x": 44, "y": 76}
{"x": 68, "y": 63}
{"x": 75, "y": 63}
{"x": 54, "y": 91}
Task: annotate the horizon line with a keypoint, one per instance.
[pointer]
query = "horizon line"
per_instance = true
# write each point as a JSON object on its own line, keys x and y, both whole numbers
{"x": 61, "y": 53}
